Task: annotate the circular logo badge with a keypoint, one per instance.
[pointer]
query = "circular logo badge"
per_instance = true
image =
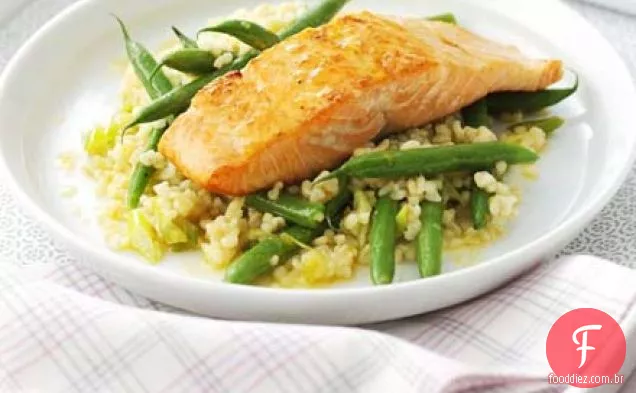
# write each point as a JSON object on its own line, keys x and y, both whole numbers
{"x": 585, "y": 348}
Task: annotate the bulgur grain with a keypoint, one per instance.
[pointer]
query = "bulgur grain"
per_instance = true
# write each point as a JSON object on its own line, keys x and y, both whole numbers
{"x": 274, "y": 193}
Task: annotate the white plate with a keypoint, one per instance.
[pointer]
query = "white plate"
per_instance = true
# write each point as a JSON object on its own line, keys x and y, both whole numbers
{"x": 62, "y": 82}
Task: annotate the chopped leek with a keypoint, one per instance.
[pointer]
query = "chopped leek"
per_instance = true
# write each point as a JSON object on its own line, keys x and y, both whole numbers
{"x": 168, "y": 231}
{"x": 192, "y": 233}
{"x": 402, "y": 218}
{"x": 143, "y": 237}
{"x": 101, "y": 139}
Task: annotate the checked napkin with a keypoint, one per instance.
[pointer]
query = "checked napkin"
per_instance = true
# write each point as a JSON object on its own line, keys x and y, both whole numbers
{"x": 55, "y": 339}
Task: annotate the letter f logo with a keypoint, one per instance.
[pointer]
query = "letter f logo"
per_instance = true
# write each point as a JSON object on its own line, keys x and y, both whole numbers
{"x": 583, "y": 344}
{"x": 568, "y": 350}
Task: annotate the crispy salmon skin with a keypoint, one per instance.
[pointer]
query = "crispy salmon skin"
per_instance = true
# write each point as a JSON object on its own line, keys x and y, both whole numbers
{"x": 305, "y": 104}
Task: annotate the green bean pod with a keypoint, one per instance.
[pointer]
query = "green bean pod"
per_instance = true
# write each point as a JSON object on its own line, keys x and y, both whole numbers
{"x": 445, "y": 17}
{"x": 479, "y": 207}
{"x": 186, "y": 42}
{"x": 137, "y": 184}
{"x": 142, "y": 173}
{"x": 430, "y": 241}
{"x": 476, "y": 115}
{"x": 548, "y": 124}
{"x": 317, "y": 16}
{"x": 189, "y": 60}
{"x": 433, "y": 160}
{"x": 144, "y": 64}
{"x": 291, "y": 208}
{"x": 382, "y": 240}
{"x": 257, "y": 261}
{"x": 333, "y": 209}
{"x": 247, "y": 32}
{"x": 178, "y": 100}
{"x": 528, "y": 101}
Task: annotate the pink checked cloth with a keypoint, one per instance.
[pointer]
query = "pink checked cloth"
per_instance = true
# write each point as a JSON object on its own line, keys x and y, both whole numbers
{"x": 67, "y": 331}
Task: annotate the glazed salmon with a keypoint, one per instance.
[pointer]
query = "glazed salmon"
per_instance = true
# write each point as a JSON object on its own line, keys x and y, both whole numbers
{"x": 305, "y": 104}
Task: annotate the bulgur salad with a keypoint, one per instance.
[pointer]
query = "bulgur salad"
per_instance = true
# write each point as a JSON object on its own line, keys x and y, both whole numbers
{"x": 401, "y": 196}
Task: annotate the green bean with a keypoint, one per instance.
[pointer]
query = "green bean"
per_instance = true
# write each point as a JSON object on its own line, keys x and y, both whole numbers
{"x": 260, "y": 259}
{"x": 479, "y": 207}
{"x": 528, "y": 101}
{"x": 548, "y": 124}
{"x": 142, "y": 173}
{"x": 382, "y": 240}
{"x": 433, "y": 160}
{"x": 446, "y": 17}
{"x": 317, "y": 16}
{"x": 476, "y": 115}
{"x": 144, "y": 64}
{"x": 188, "y": 60}
{"x": 178, "y": 100}
{"x": 137, "y": 184}
{"x": 291, "y": 208}
{"x": 333, "y": 208}
{"x": 248, "y": 32}
{"x": 430, "y": 240}
{"x": 186, "y": 42}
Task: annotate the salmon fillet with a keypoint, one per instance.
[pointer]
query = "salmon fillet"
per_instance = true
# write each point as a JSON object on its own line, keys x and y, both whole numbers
{"x": 307, "y": 103}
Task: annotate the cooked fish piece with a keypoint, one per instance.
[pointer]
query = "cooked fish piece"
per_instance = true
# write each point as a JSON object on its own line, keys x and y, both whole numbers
{"x": 305, "y": 104}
